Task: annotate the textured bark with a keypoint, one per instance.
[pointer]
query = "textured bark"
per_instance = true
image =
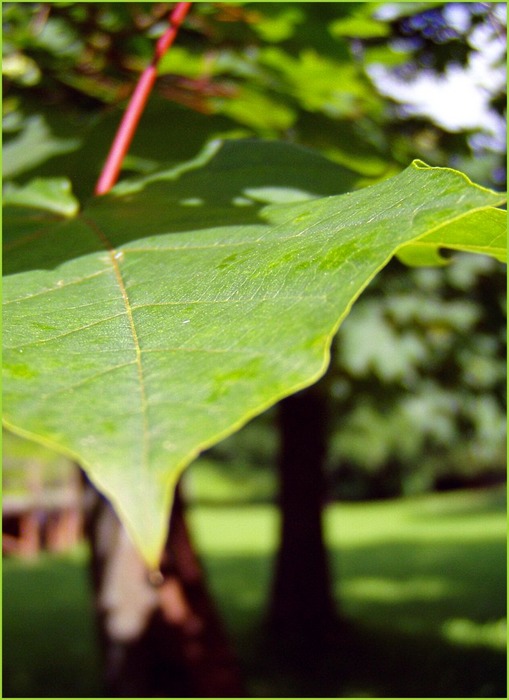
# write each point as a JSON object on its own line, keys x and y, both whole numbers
{"x": 302, "y": 612}
{"x": 160, "y": 636}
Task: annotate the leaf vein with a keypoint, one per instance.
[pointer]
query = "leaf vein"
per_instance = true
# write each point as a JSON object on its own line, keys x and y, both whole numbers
{"x": 123, "y": 291}
{"x": 90, "y": 378}
{"x": 57, "y": 288}
{"x": 66, "y": 334}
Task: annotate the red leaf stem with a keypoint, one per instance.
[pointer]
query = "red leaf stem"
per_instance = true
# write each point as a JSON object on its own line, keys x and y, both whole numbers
{"x": 134, "y": 110}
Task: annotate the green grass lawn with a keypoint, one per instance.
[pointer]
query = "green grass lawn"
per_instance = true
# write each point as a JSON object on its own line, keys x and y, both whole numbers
{"x": 48, "y": 633}
{"x": 421, "y": 581}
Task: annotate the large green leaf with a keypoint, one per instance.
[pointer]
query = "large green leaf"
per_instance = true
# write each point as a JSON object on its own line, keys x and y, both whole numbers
{"x": 160, "y": 319}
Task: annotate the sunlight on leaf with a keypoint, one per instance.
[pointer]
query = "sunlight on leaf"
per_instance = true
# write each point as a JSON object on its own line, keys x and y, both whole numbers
{"x": 144, "y": 330}
{"x": 52, "y": 194}
{"x": 470, "y": 633}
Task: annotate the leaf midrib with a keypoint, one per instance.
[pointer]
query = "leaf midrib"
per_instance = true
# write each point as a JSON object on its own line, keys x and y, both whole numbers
{"x": 114, "y": 256}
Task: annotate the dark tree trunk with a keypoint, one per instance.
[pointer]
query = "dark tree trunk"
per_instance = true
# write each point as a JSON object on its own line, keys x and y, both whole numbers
{"x": 159, "y": 638}
{"x": 302, "y": 613}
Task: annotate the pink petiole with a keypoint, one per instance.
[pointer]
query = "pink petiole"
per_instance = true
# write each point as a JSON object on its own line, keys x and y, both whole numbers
{"x": 127, "y": 127}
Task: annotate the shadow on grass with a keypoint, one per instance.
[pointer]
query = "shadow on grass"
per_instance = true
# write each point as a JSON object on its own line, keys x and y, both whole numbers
{"x": 423, "y": 620}
{"x": 49, "y": 645}
{"x": 423, "y": 608}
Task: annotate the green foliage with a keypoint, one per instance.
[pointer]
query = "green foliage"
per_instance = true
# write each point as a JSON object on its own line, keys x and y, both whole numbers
{"x": 49, "y": 194}
{"x": 270, "y": 68}
{"x": 418, "y": 381}
{"x": 162, "y": 317}
{"x": 293, "y": 71}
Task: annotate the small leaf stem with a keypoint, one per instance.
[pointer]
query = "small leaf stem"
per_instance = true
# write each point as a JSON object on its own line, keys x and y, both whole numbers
{"x": 127, "y": 128}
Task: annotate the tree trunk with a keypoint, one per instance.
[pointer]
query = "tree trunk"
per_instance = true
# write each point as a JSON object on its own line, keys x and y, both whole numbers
{"x": 302, "y": 612}
{"x": 159, "y": 638}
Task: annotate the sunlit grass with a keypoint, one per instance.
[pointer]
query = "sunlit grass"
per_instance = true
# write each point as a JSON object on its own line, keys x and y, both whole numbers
{"x": 422, "y": 582}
